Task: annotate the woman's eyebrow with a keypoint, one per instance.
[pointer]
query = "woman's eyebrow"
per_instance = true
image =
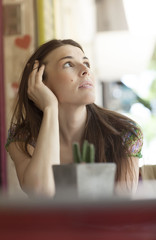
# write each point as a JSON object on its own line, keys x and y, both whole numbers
{"x": 69, "y": 57}
{"x": 65, "y": 58}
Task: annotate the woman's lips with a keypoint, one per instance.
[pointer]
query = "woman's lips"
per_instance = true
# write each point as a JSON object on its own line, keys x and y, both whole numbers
{"x": 86, "y": 85}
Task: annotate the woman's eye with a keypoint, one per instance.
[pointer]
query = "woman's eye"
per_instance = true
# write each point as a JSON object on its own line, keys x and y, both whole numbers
{"x": 87, "y": 64}
{"x": 67, "y": 64}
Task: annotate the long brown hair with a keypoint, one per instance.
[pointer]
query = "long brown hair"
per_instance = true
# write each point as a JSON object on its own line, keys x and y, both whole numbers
{"x": 106, "y": 130}
{"x": 104, "y": 127}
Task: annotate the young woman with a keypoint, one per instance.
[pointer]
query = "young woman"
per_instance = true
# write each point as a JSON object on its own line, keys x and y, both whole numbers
{"x": 55, "y": 108}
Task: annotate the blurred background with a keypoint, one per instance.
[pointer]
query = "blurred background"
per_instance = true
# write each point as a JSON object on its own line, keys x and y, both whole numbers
{"x": 119, "y": 38}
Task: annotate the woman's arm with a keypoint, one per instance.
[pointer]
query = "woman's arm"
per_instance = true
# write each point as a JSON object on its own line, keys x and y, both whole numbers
{"x": 35, "y": 172}
{"x": 133, "y": 143}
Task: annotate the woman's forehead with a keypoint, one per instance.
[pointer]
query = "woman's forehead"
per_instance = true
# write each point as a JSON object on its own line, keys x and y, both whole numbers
{"x": 63, "y": 51}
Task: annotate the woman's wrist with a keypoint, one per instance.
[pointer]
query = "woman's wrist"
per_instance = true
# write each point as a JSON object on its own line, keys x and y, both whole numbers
{"x": 51, "y": 109}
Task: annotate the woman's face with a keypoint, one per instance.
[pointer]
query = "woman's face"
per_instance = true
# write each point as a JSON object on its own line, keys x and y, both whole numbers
{"x": 69, "y": 76}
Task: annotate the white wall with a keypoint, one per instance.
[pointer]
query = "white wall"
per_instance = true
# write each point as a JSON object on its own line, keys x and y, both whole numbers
{"x": 120, "y": 53}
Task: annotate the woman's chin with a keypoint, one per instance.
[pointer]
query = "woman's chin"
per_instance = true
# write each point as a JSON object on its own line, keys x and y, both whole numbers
{"x": 88, "y": 100}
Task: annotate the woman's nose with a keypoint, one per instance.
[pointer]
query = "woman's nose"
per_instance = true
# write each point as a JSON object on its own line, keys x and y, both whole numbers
{"x": 84, "y": 71}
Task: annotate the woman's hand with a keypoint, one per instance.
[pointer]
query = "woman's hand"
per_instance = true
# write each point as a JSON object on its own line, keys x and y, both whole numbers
{"x": 38, "y": 92}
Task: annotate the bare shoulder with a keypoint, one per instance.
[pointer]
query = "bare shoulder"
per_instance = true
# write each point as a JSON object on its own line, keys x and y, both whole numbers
{"x": 20, "y": 159}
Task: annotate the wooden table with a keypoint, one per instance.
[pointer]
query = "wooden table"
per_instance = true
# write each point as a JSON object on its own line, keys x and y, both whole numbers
{"x": 121, "y": 219}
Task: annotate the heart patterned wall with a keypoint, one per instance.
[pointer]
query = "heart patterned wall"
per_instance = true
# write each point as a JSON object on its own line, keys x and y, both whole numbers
{"x": 23, "y": 42}
{"x": 19, "y": 42}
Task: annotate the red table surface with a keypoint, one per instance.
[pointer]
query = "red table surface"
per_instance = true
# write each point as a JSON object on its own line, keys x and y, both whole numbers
{"x": 128, "y": 220}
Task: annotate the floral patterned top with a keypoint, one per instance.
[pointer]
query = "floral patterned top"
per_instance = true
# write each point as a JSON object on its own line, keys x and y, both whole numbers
{"x": 133, "y": 142}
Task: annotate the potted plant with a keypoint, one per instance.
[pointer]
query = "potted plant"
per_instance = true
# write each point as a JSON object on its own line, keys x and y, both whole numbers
{"x": 84, "y": 179}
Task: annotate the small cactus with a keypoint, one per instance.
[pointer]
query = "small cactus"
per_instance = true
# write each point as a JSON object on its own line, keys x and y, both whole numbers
{"x": 87, "y": 155}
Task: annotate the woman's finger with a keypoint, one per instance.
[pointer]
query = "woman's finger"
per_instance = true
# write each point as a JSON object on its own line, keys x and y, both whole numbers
{"x": 31, "y": 80}
{"x": 39, "y": 74}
